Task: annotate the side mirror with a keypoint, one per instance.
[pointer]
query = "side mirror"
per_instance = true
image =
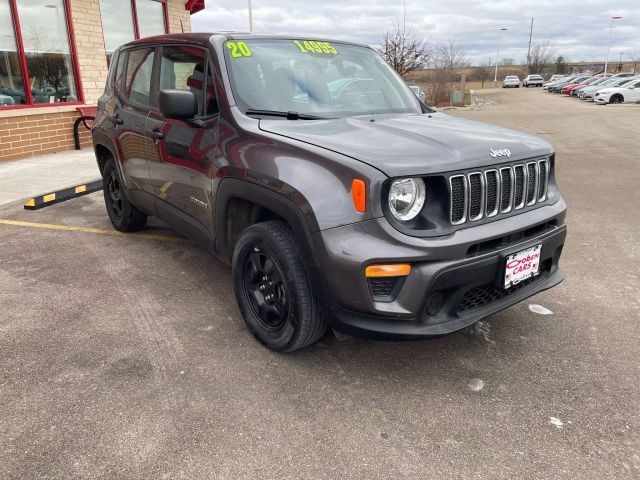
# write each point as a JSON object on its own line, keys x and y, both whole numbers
{"x": 179, "y": 104}
{"x": 632, "y": 87}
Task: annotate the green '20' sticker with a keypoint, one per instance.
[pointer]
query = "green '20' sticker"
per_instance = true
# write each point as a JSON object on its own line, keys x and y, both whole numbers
{"x": 239, "y": 49}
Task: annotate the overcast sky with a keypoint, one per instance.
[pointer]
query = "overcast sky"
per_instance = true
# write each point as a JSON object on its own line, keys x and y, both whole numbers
{"x": 576, "y": 29}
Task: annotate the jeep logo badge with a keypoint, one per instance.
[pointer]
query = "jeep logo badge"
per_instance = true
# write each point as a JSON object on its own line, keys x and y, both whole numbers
{"x": 504, "y": 152}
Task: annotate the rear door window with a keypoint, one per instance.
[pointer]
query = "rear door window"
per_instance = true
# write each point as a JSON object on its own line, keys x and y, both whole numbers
{"x": 138, "y": 76}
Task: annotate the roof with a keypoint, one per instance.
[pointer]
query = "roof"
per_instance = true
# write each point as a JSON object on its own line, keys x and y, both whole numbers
{"x": 202, "y": 38}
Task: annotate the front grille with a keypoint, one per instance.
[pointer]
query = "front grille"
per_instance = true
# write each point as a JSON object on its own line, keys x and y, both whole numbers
{"x": 478, "y": 195}
{"x": 491, "y": 179}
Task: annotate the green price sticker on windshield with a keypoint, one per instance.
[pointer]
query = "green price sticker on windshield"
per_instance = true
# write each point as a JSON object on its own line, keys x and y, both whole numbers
{"x": 309, "y": 46}
{"x": 239, "y": 49}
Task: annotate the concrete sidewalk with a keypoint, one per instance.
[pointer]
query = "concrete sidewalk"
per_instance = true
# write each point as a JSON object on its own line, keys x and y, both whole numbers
{"x": 21, "y": 179}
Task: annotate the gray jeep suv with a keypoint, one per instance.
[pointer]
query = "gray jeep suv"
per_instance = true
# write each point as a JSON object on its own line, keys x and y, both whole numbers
{"x": 336, "y": 196}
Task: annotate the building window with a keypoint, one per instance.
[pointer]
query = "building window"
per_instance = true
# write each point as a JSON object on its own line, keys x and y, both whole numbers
{"x": 34, "y": 39}
{"x": 127, "y": 20}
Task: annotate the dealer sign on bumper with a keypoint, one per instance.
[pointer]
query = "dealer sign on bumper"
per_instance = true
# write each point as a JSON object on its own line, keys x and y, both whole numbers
{"x": 522, "y": 265}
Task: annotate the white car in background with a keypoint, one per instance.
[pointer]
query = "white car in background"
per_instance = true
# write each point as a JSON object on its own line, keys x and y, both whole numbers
{"x": 511, "y": 81}
{"x": 628, "y": 93}
{"x": 532, "y": 80}
{"x": 418, "y": 92}
{"x": 588, "y": 93}
{"x": 6, "y": 100}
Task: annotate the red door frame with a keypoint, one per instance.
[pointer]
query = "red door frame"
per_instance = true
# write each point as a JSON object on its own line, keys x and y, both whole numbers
{"x": 13, "y": 7}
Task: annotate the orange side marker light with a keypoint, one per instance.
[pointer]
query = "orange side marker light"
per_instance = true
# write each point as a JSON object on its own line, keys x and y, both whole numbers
{"x": 359, "y": 195}
{"x": 388, "y": 270}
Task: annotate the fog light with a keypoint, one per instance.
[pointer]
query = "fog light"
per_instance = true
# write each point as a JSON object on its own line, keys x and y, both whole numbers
{"x": 435, "y": 301}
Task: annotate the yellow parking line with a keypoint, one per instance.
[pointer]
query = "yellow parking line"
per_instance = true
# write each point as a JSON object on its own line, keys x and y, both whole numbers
{"x": 99, "y": 231}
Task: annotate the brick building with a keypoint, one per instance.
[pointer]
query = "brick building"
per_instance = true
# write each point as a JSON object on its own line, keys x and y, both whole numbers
{"x": 54, "y": 57}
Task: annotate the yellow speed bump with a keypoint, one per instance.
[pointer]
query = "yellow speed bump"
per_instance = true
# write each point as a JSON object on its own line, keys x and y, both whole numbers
{"x": 58, "y": 196}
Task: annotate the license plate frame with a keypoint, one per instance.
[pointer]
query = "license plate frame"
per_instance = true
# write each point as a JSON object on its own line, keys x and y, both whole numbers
{"x": 514, "y": 273}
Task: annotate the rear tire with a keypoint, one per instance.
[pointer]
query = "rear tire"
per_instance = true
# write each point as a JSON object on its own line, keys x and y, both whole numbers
{"x": 273, "y": 290}
{"x": 123, "y": 215}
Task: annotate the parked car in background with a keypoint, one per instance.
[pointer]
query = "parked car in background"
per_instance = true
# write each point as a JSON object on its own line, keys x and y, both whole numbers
{"x": 6, "y": 100}
{"x": 511, "y": 81}
{"x": 556, "y": 77}
{"x": 569, "y": 89}
{"x": 580, "y": 90}
{"x": 550, "y": 85}
{"x": 17, "y": 95}
{"x": 589, "y": 94}
{"x": 573, "y": 80}
{"x": 629, "y": 93}
{"x": 419, "y": 93}
{"x": 532, "y": 81}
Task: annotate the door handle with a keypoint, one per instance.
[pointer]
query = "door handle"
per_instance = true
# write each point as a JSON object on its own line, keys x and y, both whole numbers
{"x": 116, "y": 119}
{"x": 157, "y": 134}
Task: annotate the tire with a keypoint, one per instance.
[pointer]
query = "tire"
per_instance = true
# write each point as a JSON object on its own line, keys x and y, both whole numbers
{"x": 273, "y": 290}
{"x": 617, "y": 98}
{"x": 123, "y": 215}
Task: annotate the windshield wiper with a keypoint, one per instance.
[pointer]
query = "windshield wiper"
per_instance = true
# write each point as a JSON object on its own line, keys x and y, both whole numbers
{"x": 287, "y": 115}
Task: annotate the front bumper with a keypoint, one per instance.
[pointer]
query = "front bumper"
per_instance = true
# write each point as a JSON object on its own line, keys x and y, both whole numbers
{"x": 466, "y": 287}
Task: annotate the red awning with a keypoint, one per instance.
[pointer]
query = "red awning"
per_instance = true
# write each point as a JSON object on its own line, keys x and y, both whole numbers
{"x": 194, "y": 6}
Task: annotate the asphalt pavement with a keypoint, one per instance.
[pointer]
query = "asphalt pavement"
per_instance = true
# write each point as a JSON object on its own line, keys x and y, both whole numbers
{"x": 126, "y": 356}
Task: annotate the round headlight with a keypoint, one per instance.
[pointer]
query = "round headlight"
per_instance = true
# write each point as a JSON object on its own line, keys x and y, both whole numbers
{"x": 406, "y": 198}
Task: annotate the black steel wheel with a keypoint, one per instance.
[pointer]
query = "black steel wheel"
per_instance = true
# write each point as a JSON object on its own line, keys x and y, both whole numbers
{"x": 113, "y": 195}
{"x": 273, "y": 290}
{"x": 265, "y": 289}
{"x": 123, "y": 214}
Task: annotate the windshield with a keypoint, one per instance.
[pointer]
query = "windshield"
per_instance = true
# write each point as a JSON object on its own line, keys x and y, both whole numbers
{"x": 315, "y": 78}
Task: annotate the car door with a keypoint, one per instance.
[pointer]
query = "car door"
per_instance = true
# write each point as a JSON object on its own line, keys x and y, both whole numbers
{"x": 181, "y": 167}
{"x": 133, "y": 86}
{"x": 633, "y": 92}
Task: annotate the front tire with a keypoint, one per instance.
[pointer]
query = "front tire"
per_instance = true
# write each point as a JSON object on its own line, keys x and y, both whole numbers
{"x": 124, "y": 216}
{"x": 273, "y": 290}
{"x": 616, "y": 99}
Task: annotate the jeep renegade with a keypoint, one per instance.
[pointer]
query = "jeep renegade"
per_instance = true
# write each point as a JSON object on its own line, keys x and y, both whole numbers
{"x": 336, "y": 196}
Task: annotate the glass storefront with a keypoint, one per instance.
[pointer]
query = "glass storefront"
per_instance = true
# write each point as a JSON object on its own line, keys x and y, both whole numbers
{"x": 46, "y": 52}
{"x": 11, "y": 77}
{"x": 126, "y": 20}
{"x": 150, "y": 18}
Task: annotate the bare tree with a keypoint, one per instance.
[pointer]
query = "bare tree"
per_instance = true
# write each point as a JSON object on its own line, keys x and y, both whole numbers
{"x": 447, "y": 61}
{"x": 541, "y": 59}
{"x": 481, "y": 74}
{"x": 402, "y": 49}
{"x": 635, "y": 58}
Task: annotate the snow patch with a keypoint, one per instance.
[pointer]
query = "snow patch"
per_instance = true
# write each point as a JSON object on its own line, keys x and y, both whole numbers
{"x": 556, "y": 421}
{"x": 539, "y": 309}
{"x": 476, "y": 384}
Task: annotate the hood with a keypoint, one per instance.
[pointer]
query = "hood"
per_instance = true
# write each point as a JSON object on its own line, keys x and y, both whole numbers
{"x": 402, "y": 145}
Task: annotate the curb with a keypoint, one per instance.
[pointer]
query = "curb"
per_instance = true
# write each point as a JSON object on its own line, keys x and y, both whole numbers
{"x": 58, "y": 196}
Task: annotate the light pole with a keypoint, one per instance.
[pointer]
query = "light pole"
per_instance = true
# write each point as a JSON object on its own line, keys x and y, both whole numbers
{"x": 495, "y": 77}
{"x": 250, "y": 17}
{"x": 606, "y": 62}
